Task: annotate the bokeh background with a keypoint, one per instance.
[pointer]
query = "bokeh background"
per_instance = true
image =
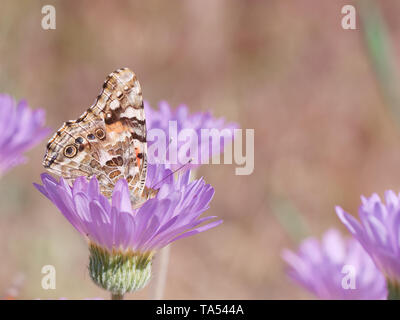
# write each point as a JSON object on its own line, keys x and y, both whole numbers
{"x": 322, "y": 101}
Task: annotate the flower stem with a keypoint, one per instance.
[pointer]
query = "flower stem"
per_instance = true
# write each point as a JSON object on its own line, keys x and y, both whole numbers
{"x": 117, "y": 296}
{"x": 380, "y": 53}
{"x": 161, "y": 268}
{"x": 394, "y": 290}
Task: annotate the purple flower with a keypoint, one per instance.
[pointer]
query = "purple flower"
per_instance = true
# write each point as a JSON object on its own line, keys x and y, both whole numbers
{"x": 115, "y": 226}
{"x": 183, "y": 135}
{"x": 379, "y": 231}
{"x": 324, "y": 268}
{"x": 20, "y": 129}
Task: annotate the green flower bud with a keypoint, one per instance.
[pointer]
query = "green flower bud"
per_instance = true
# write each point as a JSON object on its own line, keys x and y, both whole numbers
{"x": 393, "y": 290}
{"x": 119, "y": 272}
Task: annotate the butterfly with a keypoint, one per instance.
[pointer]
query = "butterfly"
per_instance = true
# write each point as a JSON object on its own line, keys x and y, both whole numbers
{"x": 107, "y": 141}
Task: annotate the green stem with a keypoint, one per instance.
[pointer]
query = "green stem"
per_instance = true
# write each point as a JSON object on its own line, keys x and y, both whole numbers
{"x": 117, "y": 296}
{"x": 380, "y": 52}
{"x": 290, "y": 218}
{"x": 394, "y": 290}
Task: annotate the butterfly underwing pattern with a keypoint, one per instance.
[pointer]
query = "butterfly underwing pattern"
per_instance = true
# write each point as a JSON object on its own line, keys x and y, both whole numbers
{"x": 107, "y": 141}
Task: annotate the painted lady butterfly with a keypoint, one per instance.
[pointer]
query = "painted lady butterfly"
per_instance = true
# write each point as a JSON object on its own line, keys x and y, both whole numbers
{"x": 107, "y": 141}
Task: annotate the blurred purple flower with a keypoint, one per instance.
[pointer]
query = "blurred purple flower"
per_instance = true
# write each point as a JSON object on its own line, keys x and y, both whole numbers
{"x": 318, "y": 267}
{"x": 379, "y": 231}
{"x": 20, "y": 129}
{"x": 164, "y": 118}
{"x": 173, "y": 214}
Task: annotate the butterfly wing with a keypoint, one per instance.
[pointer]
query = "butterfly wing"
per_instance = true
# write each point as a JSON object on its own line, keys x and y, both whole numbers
{"x": 108, "y": 140}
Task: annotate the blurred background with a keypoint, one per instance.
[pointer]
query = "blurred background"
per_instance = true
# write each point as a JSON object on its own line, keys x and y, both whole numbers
{"x": 322, "y": 101}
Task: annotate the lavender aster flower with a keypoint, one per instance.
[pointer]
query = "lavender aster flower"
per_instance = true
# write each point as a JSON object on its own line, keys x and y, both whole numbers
{"x": 20, "y": 129}
{"x": 379, "y": 234}
{"x": 189, "y": 144}
{"x": 321, "y": 268}
{"x": 123, "y": 240}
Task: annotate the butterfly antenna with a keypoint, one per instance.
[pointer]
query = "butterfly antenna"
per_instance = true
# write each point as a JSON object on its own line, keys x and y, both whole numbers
{"x": 169, "y": 142}
{"x": 165, "y": 157}
{"x": 173, "y": 172}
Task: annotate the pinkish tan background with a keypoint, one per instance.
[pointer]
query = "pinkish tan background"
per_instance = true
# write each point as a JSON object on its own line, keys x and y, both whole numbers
{"x": 323, "y": 132}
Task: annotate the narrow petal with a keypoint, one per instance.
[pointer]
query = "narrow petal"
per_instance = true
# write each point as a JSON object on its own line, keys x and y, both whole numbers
{"x": 121, "y": 197}
{"x": 197, "y": 230}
